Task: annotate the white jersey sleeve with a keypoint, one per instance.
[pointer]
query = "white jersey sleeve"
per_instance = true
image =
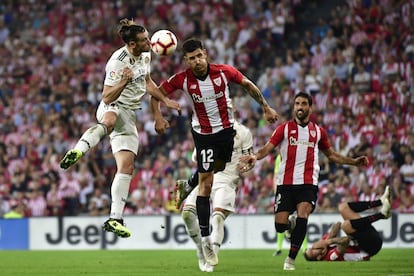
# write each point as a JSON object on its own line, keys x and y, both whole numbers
{"x": 243, "y": 143}
{"x": 134, "y": 91}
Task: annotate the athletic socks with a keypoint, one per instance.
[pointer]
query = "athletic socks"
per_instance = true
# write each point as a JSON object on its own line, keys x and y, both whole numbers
{"x": 91, "y": 137}
{"x": 298, "y": 235}
{"x": 364, "y": 205}
{"x": 189, "y": 215}
{"x": 280, "y": 237}
{"x": 119, "y": 194}
{"x": 217, "y": 235}
{"x": 364, "y": 222}
{"x": 203, "y": 213}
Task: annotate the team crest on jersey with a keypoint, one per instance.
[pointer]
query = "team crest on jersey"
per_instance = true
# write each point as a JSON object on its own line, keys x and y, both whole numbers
{"x": 131, "y": 61}
{"x": 217, "y": 81}
{"x": 146, "y": 60}
{"x": 206, "y": 166}
{"x": 313, "y": 133}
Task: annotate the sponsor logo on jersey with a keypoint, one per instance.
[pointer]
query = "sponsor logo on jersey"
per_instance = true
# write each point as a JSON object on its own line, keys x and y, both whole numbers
{"x": 294, "y": 142}
{"x": 199, "y": 99}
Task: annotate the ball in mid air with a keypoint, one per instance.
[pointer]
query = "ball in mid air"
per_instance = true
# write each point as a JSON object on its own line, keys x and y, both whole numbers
{"x": 163, "y": 42}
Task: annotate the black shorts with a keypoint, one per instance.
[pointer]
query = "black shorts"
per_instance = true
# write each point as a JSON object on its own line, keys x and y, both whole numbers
{"x": 288, "y": 196}
{"x": 213, "y": 147}
{"x": 368, "y": 240}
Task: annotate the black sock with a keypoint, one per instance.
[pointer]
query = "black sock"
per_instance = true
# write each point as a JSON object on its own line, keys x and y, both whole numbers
{"x": 203, "y": 213}
{"x": 364, "y": 222}
{"x": 364, "y": 205}
{"x": 193, "y": 180}
{"x": 298, "y": 235}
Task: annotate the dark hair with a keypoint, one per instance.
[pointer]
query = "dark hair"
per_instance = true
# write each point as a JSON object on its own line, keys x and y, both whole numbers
{"x": 308, "y": 258}
{"x": 305, "y": 95}
{"x": 128, "y": 30}
{"x": 191, "y": 45}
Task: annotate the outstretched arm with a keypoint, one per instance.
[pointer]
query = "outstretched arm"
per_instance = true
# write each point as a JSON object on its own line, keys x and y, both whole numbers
{"x": 269, "y": 113}
{"x": 161, "y": 124}
{"x": 156, "y": 92}
{"x": 247, "y": 162}
{"x": 340, "y": 159}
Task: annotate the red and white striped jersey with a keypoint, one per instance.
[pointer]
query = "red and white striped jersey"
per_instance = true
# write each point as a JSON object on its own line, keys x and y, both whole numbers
{"x": 210, "y": 98}
{"x": 299, "y": 148}
{"x": 352, "y": 253}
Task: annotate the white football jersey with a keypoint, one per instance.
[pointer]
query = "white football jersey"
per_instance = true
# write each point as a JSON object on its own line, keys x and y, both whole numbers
{"x": 134, "y": 91}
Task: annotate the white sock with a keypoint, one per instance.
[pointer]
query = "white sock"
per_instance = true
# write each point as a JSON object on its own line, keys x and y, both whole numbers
{"x": 119, "y": 194}
{"x": 91, "y": 137}
{"x": 217, "y": 235}
{"x": 189, "y": 215}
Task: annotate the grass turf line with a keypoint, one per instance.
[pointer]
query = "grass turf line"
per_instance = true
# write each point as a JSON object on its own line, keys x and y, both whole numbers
{"x": 390, "y": 262}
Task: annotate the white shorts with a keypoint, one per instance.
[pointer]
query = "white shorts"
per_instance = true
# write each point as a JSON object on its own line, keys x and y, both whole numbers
{"x": 223, "y": 195}
{"x": 124, "y": 136}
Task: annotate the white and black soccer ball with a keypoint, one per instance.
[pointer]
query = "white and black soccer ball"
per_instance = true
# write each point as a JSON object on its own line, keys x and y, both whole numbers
{"x": 163, "y": 42}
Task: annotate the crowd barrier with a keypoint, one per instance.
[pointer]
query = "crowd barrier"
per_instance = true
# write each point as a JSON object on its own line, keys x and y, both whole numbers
{"x": 168, "y": 232}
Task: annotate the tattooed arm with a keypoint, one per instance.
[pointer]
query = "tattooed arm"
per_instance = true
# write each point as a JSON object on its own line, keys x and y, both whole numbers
{"x": 269, "y": 113}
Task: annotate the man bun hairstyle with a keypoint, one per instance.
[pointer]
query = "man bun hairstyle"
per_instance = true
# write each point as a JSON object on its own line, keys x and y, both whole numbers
{"x": 128, "y": 30}
{"x": 191, "y": 45}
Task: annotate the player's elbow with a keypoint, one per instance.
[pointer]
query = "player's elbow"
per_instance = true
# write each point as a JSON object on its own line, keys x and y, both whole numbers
{"x": 343, "y": 207}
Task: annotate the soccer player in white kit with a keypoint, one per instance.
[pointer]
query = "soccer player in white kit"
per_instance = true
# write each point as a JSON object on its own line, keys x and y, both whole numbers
{"x": 223, "y": 197}
{"x": 127, "y": 78}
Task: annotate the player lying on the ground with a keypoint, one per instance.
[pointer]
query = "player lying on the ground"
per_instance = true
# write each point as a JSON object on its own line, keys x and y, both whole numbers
{"x": 362, "y": 240}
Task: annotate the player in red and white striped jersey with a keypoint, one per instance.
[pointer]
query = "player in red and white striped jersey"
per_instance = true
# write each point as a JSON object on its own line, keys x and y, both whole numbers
{"x": 299, "y": 141}
{"x": 207, "y": 86}
{"x": 362, "y": 240}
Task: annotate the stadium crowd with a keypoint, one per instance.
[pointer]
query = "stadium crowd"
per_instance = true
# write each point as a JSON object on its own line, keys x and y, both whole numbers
{"x": 357, "y": 62}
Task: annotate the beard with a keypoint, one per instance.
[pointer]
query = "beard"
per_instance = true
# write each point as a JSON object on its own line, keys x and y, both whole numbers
{"x": 301, "y": 115}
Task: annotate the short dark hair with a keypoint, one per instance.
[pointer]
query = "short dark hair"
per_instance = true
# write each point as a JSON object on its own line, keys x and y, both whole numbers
{"x": 307, "y": 257}
{"x": 128, "y": 30}
{"x": 191, "y": 45}
{"x": 304, "y": 95}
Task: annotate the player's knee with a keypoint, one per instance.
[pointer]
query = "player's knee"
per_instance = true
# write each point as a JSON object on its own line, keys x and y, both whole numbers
{"x": 218, "y": 217}
{"x": 346, "y": 226}
{"x": 188, "y": 213}
{"x": 281, "y": 227}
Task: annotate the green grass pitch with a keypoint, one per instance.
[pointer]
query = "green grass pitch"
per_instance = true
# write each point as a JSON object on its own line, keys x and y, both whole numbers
{"x": 184, "y": 262}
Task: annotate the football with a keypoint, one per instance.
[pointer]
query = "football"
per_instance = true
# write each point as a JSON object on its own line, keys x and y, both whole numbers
{"x": 163, "y": 42}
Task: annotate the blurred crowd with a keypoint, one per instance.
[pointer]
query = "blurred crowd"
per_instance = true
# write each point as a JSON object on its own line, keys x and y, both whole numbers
{"x": 356, "y": 60}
